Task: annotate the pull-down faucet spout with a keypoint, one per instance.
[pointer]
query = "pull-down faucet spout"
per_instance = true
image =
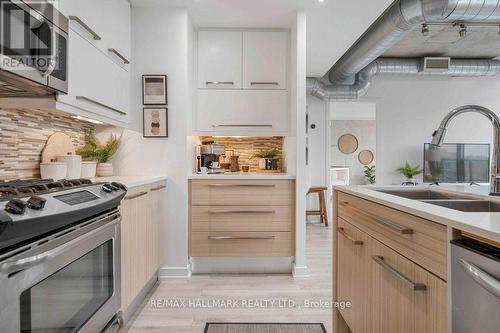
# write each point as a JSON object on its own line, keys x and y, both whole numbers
{"x": 440, "y": 133}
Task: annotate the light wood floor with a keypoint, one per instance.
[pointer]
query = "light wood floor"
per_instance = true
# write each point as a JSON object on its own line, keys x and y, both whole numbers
{"x": 168, "y": 319}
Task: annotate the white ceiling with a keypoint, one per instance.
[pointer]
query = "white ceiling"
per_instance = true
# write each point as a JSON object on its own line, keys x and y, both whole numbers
{"x": 332, "y": 26}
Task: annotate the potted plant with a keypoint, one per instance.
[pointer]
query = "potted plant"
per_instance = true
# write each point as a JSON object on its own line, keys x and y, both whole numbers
{"x": 409, "y": 172}
{"x": 102, "y": 154}
{"x": 267, "y": 159}
{"x": 369, "y": 172}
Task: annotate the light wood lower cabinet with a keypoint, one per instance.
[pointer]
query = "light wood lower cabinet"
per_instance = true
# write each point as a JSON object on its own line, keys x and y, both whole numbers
{"x": 389, "y": 292}
{"x": 241, "y": 218}
{"x": 142, "y": 211}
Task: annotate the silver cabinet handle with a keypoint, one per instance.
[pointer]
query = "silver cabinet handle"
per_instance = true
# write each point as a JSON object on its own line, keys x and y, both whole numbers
{"x": 219, "y": 82}
{"x": 241, "y": 238}
{"x": 482, "y": 278}
{"x": 264, "y": 83}
{"x": 100, "y": 104}
{"x": 414, "y": 286}
{"x": 241, "y": 185}
{"x": 271, "y": 211}
{"x": 389, "y": 225}
{"x": 85, "y": 26}
{"x": 135, "y": 196}
{"x": 158, "y": 188}
{"x": 119, "y": 55}
{"x": 346, "y": 235}
{"x": 242, "y": 125}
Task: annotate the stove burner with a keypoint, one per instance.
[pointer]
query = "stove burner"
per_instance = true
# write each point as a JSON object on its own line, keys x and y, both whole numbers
{"x": 24, "y": 188}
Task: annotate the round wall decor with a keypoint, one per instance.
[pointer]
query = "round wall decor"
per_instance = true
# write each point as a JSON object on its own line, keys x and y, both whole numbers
{"x": 348, "y": 144}
{"x": 365, "y": 157}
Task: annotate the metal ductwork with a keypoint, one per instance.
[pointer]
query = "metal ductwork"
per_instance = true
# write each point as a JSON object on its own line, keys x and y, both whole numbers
{"x": 457, "y": 68}
{"x": 358, "y": 64}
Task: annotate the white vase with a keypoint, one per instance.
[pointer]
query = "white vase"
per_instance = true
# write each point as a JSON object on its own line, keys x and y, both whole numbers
{"x": 89, "y": 169}
{"x": 104, "y": 170}
{"x": 262, "y": 164}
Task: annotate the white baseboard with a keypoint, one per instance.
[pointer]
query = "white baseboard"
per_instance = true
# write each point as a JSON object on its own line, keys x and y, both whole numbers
{"x": 300, "y": 272}
{"x": 174, "y": 272}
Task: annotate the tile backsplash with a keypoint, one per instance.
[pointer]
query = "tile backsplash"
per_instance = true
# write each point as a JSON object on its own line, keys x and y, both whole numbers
{"x": 246, "y": 147}
{"x": 23, "y": 134}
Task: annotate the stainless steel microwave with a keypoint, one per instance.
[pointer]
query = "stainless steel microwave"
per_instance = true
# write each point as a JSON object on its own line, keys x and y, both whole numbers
{"x": 33, "y": 49}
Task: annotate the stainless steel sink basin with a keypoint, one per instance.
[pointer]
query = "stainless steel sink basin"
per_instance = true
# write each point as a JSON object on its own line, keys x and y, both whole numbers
{"x": 470, "y": 206}
{"x": 423, "y": 194}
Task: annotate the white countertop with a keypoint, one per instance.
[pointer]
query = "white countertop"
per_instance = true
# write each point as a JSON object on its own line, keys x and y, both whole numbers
{"x": 481, "y": 224}
{"x": 243, "y": 175}
{"x": 131, "y": 181}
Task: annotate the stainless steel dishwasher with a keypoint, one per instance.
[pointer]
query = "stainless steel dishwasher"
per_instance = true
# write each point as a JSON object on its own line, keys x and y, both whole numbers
{"x": 475, "y": 284}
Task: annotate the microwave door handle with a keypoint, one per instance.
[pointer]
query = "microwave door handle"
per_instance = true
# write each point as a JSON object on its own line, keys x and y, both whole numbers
{"x": 53, "y": 58}
{"x": 485, "y": 280}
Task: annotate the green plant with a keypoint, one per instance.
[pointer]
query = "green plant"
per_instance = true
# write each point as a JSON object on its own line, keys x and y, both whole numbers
{"x": 370, "y": 173}
{"x": 95, "y": 151}
{"x": 409, "y": 171}
{"x": 271, "y": 153}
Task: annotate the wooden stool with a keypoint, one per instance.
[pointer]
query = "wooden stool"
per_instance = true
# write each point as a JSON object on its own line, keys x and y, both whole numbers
{"x": 320, "y": 190}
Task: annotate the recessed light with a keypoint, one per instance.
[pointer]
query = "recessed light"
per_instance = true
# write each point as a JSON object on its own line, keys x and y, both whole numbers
{"x": 321, "y": 0}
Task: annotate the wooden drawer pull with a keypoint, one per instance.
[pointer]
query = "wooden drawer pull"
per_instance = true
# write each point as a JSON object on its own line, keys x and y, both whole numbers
{"x": 414, "y": 286}
{"x": 242, "y": 211}
{"x": 242, "y": 185}
{"x": 344, "y": 233}
{"x": 389, "y": 225}
{"x": 158, "y": 188}
{"x": 135, "y": 196}
{"x": 222, "y": 238}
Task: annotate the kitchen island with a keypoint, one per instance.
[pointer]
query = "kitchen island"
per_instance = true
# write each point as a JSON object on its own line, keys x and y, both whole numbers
{"x": 392, "y": 253}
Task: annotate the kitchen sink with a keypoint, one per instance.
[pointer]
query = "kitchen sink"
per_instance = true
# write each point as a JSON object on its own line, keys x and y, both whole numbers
{"x": 423, "y": 194}
{"x": 471, "y": 206}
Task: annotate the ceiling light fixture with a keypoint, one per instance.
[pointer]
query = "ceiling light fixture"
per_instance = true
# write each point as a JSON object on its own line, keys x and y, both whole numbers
{"x": 463, "y": 30}
{"x": 321, "y": 0}
{"x": 425, "y": 30}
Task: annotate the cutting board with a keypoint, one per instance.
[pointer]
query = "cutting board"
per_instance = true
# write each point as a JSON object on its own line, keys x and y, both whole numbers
{"x": 57, "y": 144}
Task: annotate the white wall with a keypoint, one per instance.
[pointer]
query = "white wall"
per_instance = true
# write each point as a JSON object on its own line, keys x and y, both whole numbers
{"x": 409, "y": 109}
{"x": 162, "y": 44}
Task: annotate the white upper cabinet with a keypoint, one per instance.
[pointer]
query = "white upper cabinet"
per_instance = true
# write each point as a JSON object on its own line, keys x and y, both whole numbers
{"x": 265, "y": 59}
{"x": 219, "y": 59}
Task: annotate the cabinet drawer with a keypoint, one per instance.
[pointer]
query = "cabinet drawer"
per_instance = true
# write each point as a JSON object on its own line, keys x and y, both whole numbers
{"x": 241, "y": 192}
{"x": 420, "y": 240}
{"x": 241, "y": 218}
{"x": 241, "y": 244}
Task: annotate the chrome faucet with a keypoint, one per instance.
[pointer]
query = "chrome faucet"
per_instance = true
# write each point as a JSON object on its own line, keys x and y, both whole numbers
{"x": 439, "y": 134}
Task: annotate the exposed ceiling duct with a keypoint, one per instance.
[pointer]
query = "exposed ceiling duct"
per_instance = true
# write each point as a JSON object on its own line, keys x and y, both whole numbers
{"x": 403, "y": 16}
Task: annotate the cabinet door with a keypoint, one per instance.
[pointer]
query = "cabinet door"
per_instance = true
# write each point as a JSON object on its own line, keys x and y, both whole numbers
{"x": 219, "y": 59}
{"x": 96, "y": 84}
{"x": 405, "y": 297}
{"x": 353, "y": 275}
{"x": 242, "y": 111}
{"x": 265, "y": 59}
{"x": 158, "y": 203}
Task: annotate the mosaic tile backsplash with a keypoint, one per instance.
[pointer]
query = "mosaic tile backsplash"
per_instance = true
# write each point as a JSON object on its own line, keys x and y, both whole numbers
{"x": 23, "y": 134}
{"x": 246, "y": 147}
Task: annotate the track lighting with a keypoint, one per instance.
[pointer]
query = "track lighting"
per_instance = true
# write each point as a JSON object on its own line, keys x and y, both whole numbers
{"x": 463, "y": 30}
{"x": 425, "y": 30}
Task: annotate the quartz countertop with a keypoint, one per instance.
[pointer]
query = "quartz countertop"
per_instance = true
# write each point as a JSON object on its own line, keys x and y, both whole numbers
{"x": 131, "y": 181}
{"x": 484, "y": 224}
{"x": 243, "y": 175}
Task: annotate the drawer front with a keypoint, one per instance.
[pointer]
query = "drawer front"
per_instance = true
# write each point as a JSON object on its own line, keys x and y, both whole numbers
{"x": 241, "y": 244}
{"x": 241, "y": 218}
{"x": 418, "y": 239}
{"x": 241, "y": 192}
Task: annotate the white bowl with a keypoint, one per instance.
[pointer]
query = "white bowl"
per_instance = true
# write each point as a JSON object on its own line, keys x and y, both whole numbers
{"x": 53, "y": 170}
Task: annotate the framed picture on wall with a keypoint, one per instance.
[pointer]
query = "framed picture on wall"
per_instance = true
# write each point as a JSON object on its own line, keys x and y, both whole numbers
{"x": 154, "y": 90}
{"x": 155, "y": 122}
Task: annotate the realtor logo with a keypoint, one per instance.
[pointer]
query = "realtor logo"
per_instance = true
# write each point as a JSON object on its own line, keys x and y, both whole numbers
{"x": 27, "y": 39}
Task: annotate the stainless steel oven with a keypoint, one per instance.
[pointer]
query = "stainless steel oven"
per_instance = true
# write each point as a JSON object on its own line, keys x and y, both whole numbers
{"x": 33, "y": 49}
{"x": 67, "y": 282}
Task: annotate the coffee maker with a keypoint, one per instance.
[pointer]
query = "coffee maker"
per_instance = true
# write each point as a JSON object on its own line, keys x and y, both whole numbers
{"x": 208, "y": 156}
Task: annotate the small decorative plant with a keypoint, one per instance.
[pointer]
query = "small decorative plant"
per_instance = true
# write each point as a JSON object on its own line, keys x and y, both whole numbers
{"x": 369, "y": 172}
{"x": 268, "y": 159}
{"x": 101, "y": 153}
{"x": 271, "y": 153}
{"x": 410, "y": 172}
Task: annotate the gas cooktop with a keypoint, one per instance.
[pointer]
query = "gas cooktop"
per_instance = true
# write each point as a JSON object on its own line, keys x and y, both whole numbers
{"x": 33, "y": 208}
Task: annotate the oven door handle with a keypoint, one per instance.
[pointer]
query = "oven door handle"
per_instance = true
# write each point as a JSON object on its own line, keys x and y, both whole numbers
{"x": 485, "y": 280}
{"x": 53, "y": 58}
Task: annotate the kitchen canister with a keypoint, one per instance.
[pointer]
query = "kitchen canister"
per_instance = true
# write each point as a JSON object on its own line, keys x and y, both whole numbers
{"x": 53, "y": 170}
{"x": 88, "y": 170}
{"x": 74, "y": 163}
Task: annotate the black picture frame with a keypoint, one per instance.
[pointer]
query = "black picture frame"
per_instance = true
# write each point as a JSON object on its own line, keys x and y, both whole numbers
{"x": 160, "y": 100}
{"x": 162, "y": 122}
